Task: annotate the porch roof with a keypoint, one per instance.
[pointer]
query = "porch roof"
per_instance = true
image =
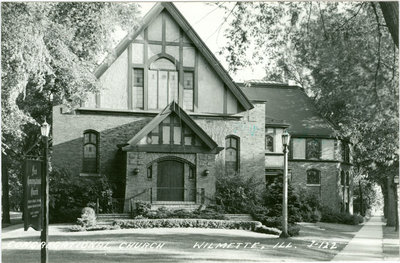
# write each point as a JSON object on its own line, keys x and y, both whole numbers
{"x": 173, "y": 107}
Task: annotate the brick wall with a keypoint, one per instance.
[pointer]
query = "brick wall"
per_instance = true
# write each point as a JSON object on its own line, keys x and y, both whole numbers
{"x": 330, "y": 189}
{"x": 118, "y": 166}
{"x": 68, "y": 132}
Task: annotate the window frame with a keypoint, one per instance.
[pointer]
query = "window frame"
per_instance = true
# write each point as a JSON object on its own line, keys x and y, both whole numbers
{"x": 158, "y": 70}
{"x": 308, "y": 140}
{"x": 230, "y": 137}
{"x": 135, "y": 87}
{"x": 96, "y": 158}
{"x": 184, "y": 89}
{"x": 272, "y": 141}
{"x": 319, "y": 177}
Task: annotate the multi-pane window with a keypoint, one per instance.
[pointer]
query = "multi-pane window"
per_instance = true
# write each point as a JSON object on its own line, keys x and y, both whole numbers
{"x": 313, "y": 177}
{"x": 269, "y": 143}
{"x": 188, "y": 90}
{"x": 90, "y": 151}
{"x": 138, "y": 85}
{"x": 313, "y": 148}
{"x": 172, "y": 131}
{"x": 162, "y": 84}
{"x": 231, "y": 153}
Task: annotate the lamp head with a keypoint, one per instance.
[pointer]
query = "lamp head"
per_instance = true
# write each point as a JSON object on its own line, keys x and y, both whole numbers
{"x": 45, "y": 129}
{"x": 285, "y": 138}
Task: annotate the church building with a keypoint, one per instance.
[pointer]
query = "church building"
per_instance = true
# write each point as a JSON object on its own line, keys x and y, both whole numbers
{"x": 169, "y": 119}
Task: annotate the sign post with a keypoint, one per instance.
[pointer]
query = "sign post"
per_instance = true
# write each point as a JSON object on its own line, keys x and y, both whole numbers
{"x": 32, "y": 194}
{"x": 45, "y": 199}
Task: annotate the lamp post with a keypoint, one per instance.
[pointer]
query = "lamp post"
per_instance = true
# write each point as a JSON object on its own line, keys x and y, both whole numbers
{"x": 45, "y": 130}
{"x": 285, "y": 142}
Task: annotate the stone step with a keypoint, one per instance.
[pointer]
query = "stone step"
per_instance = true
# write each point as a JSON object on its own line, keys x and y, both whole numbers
{"x": 239, "y": 217}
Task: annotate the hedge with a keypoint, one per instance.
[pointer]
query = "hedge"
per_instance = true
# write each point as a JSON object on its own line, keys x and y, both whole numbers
{"x": 185, "y": 223}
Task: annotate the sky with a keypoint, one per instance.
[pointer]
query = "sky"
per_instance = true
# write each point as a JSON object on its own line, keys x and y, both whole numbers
{"x": 206, "y": 19}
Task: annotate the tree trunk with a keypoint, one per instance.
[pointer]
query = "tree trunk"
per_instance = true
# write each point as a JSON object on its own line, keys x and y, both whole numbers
{"x": 361, "y": 198}
{"x": 5, "y": 191}
{"x": 385, "y": 199}
{"x": 391, "y": 204}
{"x": 390, "y": 12}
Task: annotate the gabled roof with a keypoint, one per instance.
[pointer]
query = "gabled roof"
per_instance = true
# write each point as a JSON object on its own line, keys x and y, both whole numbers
{"x": 193, "y": 36}
{"x": 291, "y": 103}
{"x": 173, "y": 107}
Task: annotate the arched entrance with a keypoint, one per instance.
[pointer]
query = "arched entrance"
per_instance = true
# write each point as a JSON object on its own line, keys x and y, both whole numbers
{"x": 170, "y": 180}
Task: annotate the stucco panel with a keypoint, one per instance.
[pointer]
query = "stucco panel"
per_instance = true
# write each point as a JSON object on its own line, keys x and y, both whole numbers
{"x": 211, "y": 89}
{"x": 114, "y": 83}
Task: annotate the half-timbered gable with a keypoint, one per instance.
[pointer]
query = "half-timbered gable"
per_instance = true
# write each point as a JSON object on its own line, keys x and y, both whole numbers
{"x": 164, "y": 61}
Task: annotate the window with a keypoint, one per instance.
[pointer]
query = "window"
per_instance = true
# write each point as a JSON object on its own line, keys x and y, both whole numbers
{"x": 191, "y": 173}
{"x": 150, "y": 172}
{"x": 162, "y": 84}
{"x": 347, "y": 178}
{"x": 269, "y": 143}
{"x": 188, "y": 91}
{"x": 345, "y": 152}
{"x": 137, "y": 91}
{"x": 342, "y": 177}
{"x": 231, "y": 154}
{"x": 313, "y": 149}
{"x": 172, "y": 131}
{"x": 90, "y": 151}
{"x": 313, "y": 177}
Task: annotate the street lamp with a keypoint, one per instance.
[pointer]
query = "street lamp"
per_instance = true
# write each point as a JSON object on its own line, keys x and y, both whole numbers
{"x": 45, "y": 131}
{"x": 285, "y": 142}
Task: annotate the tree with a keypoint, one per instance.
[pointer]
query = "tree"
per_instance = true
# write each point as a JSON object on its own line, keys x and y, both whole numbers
{"x": 390, "y": 12}
{"x": 344, "y": 57}
{"x": 49, "y": 51}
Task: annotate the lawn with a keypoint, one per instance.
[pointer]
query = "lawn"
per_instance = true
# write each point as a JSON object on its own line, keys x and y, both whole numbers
{"x": 179, "y": 245}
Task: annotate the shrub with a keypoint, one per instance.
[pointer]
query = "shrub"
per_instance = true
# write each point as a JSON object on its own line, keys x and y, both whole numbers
{"x": 69, "y": 194}
{"x": 88, "y": 217}
{"x": 199, "y": 223}
{"x": 163, "y": 212}
{"x": 293, "y": 230}
{"x": 236, "y": 193}
{"x": 142, "y": 208}
{"x": 268, "y": 230}
{"x": 78, "y": 228}
{"x": 330, "y": 216}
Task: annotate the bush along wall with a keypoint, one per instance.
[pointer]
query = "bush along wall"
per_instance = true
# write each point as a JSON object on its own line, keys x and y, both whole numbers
{"x": 143, "y": 211}
{"x": 69, "y": 194}
{"x": 330, "y": 216}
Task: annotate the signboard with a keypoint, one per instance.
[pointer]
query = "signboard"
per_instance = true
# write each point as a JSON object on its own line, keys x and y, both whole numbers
{"x": 32, "y": 194}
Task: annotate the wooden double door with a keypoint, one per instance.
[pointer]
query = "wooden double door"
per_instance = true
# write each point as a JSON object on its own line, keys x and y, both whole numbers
{"x": 170, "y": 181}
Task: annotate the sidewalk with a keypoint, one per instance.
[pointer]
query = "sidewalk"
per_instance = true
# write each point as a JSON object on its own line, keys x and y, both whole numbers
{"x": 366, "y": 244}
{"x": 390, "y": 244}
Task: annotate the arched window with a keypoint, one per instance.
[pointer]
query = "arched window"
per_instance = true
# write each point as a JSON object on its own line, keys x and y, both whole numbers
{"x": 162, "y": 83}
{"x": 314, "y": 177}
{"x": 232, "y": 147}
{"x": 269, "y": 143}
{"x": 342, "y": 178}
{"x": 347, "y": 178}
{"x": 313, "y": 148}
{"x": 90, "y": 151}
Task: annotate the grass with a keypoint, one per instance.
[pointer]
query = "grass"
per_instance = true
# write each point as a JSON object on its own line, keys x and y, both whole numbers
{"x": 179, "y": 245}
